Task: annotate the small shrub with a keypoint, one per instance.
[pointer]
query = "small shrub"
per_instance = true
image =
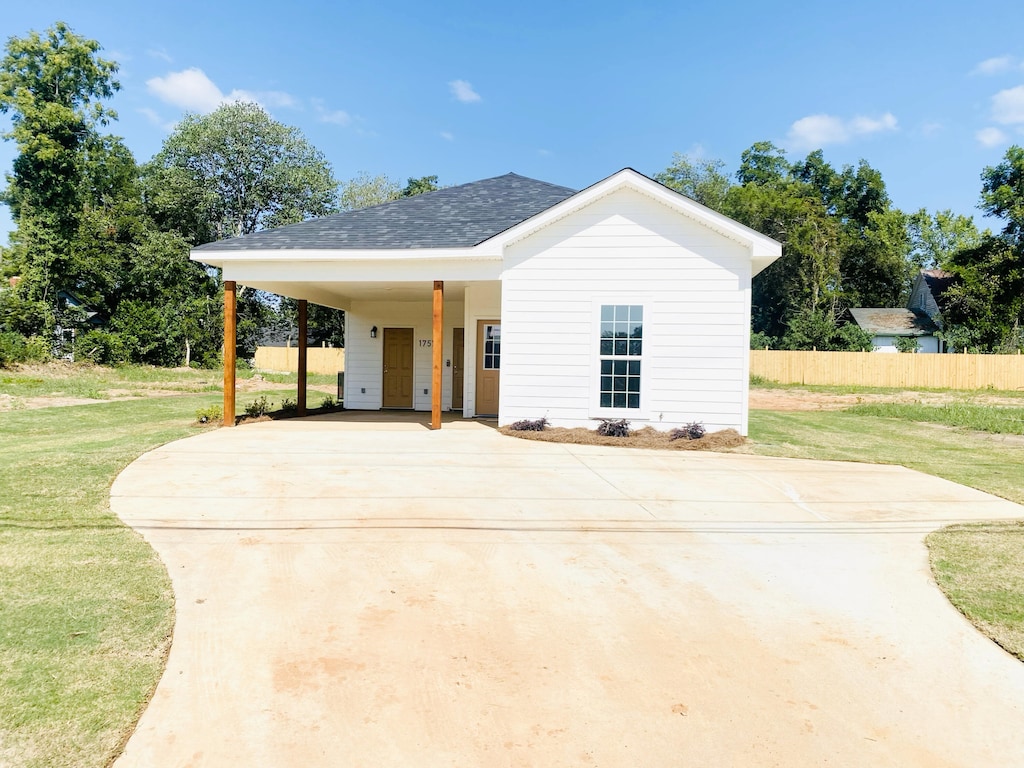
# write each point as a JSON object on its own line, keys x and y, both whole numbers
{"x": 327, "y": 403}
{"x": 527, "y": 425}
{"x": 905, "y": 344}
{"x": 289, "y": 405}
{"x": 692, "y": 431}
{"x": 210, "y": 414}
{"x": 15, "y": 348}
{"x": 259, "y": 407}
{"x": 614, "y": 428}
{"x": 101, "y": 347}
{"x": 760, "y": 340}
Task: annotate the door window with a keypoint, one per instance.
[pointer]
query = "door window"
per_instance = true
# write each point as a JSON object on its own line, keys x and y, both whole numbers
{"x": 492, "y": 347}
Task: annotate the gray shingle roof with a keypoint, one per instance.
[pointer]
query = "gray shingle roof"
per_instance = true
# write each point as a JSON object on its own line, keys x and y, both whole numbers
{"x": 893, "y": 321}
{"x": 456, "y": 217}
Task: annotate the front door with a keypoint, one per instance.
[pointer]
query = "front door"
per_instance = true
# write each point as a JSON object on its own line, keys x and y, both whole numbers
{"x": 398, "y": 370}
{"x": 458, "y": 355}
{"x": 488, "y": 367}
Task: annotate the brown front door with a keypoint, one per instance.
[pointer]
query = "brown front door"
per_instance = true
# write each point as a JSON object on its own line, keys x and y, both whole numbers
{"x": 458, "y": 355}
{"x": 398, "y": 349}
{"x": 488, "y": 367}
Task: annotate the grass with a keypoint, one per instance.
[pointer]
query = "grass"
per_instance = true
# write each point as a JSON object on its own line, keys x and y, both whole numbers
{"x": 989, "y": 463}
{"x": 101, "y": 383}
{"x": 85, "y": 604}
{"x": 981, "y": 418}
{"x": 855, "y": 389}
{"x": 980, "y": 567}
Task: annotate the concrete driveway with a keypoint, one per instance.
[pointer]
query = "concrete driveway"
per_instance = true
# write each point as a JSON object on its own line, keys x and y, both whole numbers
{"x": 358, "y": 593}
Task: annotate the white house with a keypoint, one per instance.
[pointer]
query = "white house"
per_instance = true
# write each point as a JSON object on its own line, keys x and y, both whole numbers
{"x": 887, "y": 324}
{"x": 921, "y": 320}
{"x": 515, "y": 298}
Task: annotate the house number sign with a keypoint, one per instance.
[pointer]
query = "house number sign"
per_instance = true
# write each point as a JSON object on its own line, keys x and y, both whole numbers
{"x": 426, "y": 342}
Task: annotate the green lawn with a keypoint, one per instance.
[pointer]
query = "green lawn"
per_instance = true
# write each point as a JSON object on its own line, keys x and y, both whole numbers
{"x": 85, "y": 605}
{"x": 980, "y": 567}
{"x": 101, "y": 383}
{"x": 989, "y": 462}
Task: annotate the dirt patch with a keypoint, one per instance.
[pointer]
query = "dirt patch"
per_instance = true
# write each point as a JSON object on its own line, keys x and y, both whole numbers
{"x": 806, "y": 400}
{"x": 12, "y": 403}
{"x": 648, "y": 437}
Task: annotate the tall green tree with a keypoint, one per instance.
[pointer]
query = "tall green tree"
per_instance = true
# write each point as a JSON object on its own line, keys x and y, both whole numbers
{"x": 700, "y": 179}
{"x": 419, "y": 186}
{"x": 53, "y": 86}
{"x": 234, "y": 172}
{"x": 985, "y": 308}
{"x": 935, "y": 238}
{"x": 364, "y": 191}
{"x": 844, "y": 244}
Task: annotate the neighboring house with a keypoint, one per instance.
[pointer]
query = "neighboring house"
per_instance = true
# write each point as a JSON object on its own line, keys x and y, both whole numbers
{"x": 922, "y": 318}
{"x": 888, "y": 324}
{"x": 524, "y": 299}
{"x": 74, "y": 314}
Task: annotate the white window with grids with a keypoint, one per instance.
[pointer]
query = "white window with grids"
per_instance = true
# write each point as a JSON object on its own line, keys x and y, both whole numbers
{"x": 620, "y": 351}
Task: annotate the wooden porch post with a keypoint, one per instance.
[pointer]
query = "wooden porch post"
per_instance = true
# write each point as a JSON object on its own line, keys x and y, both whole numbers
{"x": 301, "y": 402}
{"x": 438, "y": 347}
{"x": 230, "y": 318}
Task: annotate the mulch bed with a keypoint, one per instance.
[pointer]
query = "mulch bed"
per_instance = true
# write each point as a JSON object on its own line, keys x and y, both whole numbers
{"x": 647, "y": 437}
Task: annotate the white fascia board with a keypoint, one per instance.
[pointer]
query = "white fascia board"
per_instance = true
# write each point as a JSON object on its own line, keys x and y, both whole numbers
{"x": 219, "y": 258}
{"x": 367, "y": 270}
{"x": 763, "y": 249}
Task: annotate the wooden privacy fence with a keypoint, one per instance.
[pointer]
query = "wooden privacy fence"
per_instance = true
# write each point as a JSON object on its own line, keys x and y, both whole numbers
{"x": 318, "y": 360}
{"x": 875, "y": 369}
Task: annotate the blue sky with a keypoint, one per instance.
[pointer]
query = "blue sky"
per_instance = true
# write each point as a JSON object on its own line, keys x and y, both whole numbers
{"x": 569, "y": 91}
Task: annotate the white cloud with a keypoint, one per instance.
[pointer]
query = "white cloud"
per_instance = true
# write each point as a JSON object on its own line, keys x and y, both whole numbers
{"x": 993, "y": 66}
{"x": 463, "y": 91}
{"x": 991, "y": 137}
{"x": 268, "y": 99}
{"x": 932, "y": 128}
{"x": 816, "y": 131}
{"x": 154, "y": 117}
{"x": 1008, "y": 106}
{"x": 336, "y": 116}
{"x": 192, "y": 90}
{"x": 159, "y": 53}
{"x": 325, "y": 115}
{"x": 189, "y": 89}
{"x": 447, "y": 135}
{"x": 868, "y": 125}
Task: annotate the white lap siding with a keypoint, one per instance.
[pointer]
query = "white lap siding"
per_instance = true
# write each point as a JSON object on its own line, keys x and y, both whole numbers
{"x": 627, "y": 248}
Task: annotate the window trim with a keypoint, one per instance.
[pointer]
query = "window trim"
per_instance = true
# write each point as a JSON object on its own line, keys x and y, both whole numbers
{"x": 604, "y": 412}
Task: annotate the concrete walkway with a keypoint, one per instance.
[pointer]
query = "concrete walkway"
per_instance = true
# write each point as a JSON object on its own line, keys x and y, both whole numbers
{"x": 358, "y": 593}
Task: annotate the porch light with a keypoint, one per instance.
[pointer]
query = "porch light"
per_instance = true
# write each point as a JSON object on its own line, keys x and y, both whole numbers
{"x": 373, "y": 332}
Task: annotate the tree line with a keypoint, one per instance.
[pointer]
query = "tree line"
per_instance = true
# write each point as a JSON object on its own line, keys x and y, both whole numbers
{"x": 100, "y": 244}
{"x": 846, "y": 245}
{"x": 97, "y": 265}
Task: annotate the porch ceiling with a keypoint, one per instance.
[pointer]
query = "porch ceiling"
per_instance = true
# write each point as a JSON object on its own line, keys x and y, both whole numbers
{"x": 340, "y": 295}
